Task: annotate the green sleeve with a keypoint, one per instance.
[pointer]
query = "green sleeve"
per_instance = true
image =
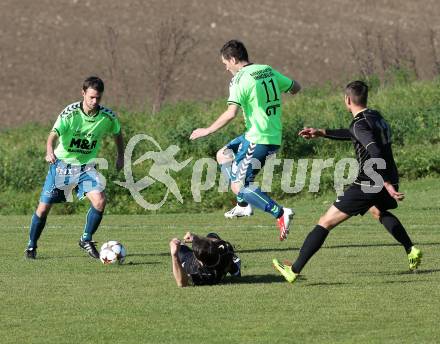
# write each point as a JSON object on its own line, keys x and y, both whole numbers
{"x": 234, "y": 93}
{"x": 284, "y": 83}
{"x": 60, "y": 125}
{"x": 116, "y": 128}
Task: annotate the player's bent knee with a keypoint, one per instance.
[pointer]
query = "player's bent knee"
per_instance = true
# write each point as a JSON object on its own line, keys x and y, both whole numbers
{"x": 327, "y": 222}
{"x": 235, "y": 187}
{"x": 376, "y": 216}
{"x": 219, "y": 156}
{"x": 101, "y": 205}
{"x": 223, "y": 157}
{"x": 99, "y": 202}
{"x": 43, "y": 209}
{"x": 376, "y": 213}
{"x": 324, "y": 222}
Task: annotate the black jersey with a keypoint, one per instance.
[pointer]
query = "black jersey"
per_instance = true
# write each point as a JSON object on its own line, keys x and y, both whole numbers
{"x": 208, "y": 275}
{"x": 371, "y": 136}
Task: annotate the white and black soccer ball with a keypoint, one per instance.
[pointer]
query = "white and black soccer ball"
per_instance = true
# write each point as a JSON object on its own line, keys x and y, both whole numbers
{"x": 112, "y": 252}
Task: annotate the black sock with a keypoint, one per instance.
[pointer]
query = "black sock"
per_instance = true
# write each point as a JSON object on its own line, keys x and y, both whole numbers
{"x": 396, "y": 229}
{"x": 281, "y": 213}
{"x": 311, "y": 245}
{"x": 241, "y": 201}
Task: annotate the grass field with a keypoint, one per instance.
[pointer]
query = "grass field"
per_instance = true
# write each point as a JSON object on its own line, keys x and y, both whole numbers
{"x": 355, "y": 290}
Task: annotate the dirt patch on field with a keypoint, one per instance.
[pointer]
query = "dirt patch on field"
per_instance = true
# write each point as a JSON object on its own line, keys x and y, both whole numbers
{"x": 47, "y": 47}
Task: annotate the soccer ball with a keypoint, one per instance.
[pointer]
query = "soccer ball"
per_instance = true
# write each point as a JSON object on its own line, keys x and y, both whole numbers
{"x": 112, "y": 252}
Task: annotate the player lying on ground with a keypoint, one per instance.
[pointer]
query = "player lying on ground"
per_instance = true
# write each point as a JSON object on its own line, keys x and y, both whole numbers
{"x": 80, "y": 129}
{"x": 257, "y": 90}
{"x": 371, "y": 136}
{"x": 207, "y": 263}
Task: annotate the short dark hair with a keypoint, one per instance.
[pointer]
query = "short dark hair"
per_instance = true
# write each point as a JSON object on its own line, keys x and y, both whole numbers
{"x": 95, "y": 83}
{"x": 206, "y": 251}
{"x": 234, "y": 48}
{"x": 358, "y": 92}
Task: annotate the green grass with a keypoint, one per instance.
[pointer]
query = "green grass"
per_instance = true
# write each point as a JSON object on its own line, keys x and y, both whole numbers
{"x": 355, "y": 290}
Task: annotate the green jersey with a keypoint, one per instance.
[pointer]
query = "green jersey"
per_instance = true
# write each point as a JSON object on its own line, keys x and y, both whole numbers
{"x": 257, "y": 89}
{"x": 80, "y": 135}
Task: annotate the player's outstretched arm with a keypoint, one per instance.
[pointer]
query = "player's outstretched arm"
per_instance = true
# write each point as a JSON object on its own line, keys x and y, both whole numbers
{"x": 311, "y": 133}
{"x": 224, "y": 119}
{"x": 179, "y": 275}
{"x": 50, "y": 144}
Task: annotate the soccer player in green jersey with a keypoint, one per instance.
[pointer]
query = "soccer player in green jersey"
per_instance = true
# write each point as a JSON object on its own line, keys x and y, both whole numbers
{"x": 79, "y": 130}
{"x": 257, "y": 90}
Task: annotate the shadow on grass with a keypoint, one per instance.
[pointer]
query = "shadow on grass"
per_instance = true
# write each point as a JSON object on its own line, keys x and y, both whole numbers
{"x": 404, "y": 282}
{"x": 331, "y": 247}
{"x": 377, "y": 245}
{"x": 400, "y": 273}
{"x": 256, "y": 250}
{"x": 268, "y": 279}
{"x": 277, "y": 249}
{"x": 60, "y": 257}
{"x": 141, "y": 263}
{"x": 254, "y": 279}
{"x": 326, "y": 284}
{"x": 162, "y": 254}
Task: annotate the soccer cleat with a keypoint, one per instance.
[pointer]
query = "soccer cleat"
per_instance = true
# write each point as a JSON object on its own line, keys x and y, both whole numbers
{"x": 284, "y": 270}
{"x": 238, "y": 211}
{"x": 414, "y": 258}
{"x": 90, "y": 247}
{"x": 284, "y": 222}
{"x": 30, "y": 253}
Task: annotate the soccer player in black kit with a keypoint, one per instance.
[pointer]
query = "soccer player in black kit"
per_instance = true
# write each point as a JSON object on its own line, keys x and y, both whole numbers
{"x": 375, "y": 188}
{"x": 207, "y": 263}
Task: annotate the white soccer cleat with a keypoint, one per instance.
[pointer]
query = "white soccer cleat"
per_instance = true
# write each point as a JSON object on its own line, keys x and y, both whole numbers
{"x": 284, "y": 223}
{"x": 238, "y": 211}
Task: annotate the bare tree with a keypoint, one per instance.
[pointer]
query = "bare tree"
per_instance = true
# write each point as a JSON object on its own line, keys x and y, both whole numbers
{"x": 364, "y": 54}
{"x": 404, "y": 56}
{"x": 167, "y": 52}
{"x": 435, "y": 54}
{"x": 392, "y": 52}
{"x": 384, "y": 54}
{"x": 116, "y": 71}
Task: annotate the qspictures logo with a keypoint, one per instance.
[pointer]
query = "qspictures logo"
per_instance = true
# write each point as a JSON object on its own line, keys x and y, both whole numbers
{"x": 163, "y": 162}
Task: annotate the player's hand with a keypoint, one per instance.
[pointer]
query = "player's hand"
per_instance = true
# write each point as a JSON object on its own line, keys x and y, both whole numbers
{"x": 174, "y": 246}
{"x": 188, "y": 237}
{"x": 119, "y": 163}
{"x": 398, "y": 196}
{"x": 198, "y": 133}
{"x": 310, "y": 133}
{"x": 51, "y": 158}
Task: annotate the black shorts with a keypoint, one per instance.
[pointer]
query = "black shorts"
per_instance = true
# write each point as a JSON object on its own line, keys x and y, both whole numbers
{"x": 357, "y": 202}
